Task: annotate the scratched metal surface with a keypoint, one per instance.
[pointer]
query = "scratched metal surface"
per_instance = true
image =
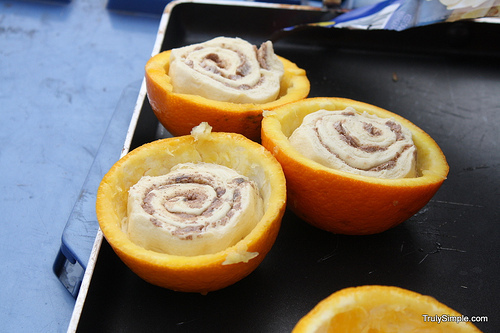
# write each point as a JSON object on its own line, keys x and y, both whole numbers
{"x": 448, "y": 250}
{"x": 63, "y": 69}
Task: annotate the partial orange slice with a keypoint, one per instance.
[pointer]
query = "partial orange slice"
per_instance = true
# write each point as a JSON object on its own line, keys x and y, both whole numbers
{"x": 343, "y": 202}
{"x": 382, "y": 309}
{"x": 179, "y": 113}
{"x": 199, "y": 273}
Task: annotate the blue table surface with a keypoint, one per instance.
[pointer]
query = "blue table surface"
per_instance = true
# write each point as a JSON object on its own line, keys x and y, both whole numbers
{"x": 63, "y": 69}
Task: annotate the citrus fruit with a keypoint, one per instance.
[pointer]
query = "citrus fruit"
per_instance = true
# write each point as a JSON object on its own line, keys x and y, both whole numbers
{"x": 343, "y": 202}
{"x": 382, "y": 309}
{"x": 205, "y": 272}
{"x": 179, "y": 113}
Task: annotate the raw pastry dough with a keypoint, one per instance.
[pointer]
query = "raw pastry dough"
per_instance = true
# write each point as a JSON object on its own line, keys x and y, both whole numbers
{"x": 358, "y": 143}
{"x": 227, "y": 69}
{"x": 197, "y": 208}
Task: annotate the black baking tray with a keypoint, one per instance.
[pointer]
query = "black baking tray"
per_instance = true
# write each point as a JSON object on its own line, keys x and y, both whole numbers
{"x": 444, "y": 78}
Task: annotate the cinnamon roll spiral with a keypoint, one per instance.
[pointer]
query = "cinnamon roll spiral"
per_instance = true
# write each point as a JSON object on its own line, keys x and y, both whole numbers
{"x": 358, "y": 143}
{"x": 227, "y": 69}
{"x": 195, "y": 209}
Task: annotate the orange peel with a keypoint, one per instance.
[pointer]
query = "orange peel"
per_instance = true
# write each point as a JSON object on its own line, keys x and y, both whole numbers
{"x": 385, "y": 309}
{"x": 202, "y": 273}
{"x": 342, "y": 202}
{"x": 179, "y": 113}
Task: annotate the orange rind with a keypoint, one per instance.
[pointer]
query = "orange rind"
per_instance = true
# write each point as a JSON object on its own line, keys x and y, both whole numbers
{"x": 342, "y": 202}
{"x": 200, "y": 273}
{"x": 386, "y": 309}
{"x": 179, "y": 113}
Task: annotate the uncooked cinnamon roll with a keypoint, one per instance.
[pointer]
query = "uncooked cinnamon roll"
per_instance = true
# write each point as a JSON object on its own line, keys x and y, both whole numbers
{"x": 227, "y": 69}
{"x": 195, "y": 209}
{"x": 358, "y": 143}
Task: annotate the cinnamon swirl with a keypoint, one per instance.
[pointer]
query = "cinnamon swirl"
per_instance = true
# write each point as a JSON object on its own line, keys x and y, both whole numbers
{"x": 227, "y": 69}
{"x": 195, "y": 209}
{"x": 358, "y": 143}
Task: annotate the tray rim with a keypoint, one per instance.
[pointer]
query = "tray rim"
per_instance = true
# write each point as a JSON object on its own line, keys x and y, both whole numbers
{"x": 87, "y": 277}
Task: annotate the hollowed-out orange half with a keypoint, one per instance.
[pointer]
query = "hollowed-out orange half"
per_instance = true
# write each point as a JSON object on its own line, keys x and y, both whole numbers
{"x": 202, "y": 273}
{"x": 179, "y": 113}
{"x": 382, "y": 309}
{"x": 342, "y": 202}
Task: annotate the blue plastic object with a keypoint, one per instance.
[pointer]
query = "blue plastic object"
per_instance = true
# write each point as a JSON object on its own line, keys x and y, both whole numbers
{"x": 286, "y": 2}
{"x": 154, "y": 7}
{"x": 82, "y": 226}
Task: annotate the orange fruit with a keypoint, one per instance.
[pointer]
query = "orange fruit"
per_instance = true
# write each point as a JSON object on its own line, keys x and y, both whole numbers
{"x": 202, "y": 273}
{"x": 179, "y": 113}
{"x": 342, "y": 202}
{"x": 382, "y": 309}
